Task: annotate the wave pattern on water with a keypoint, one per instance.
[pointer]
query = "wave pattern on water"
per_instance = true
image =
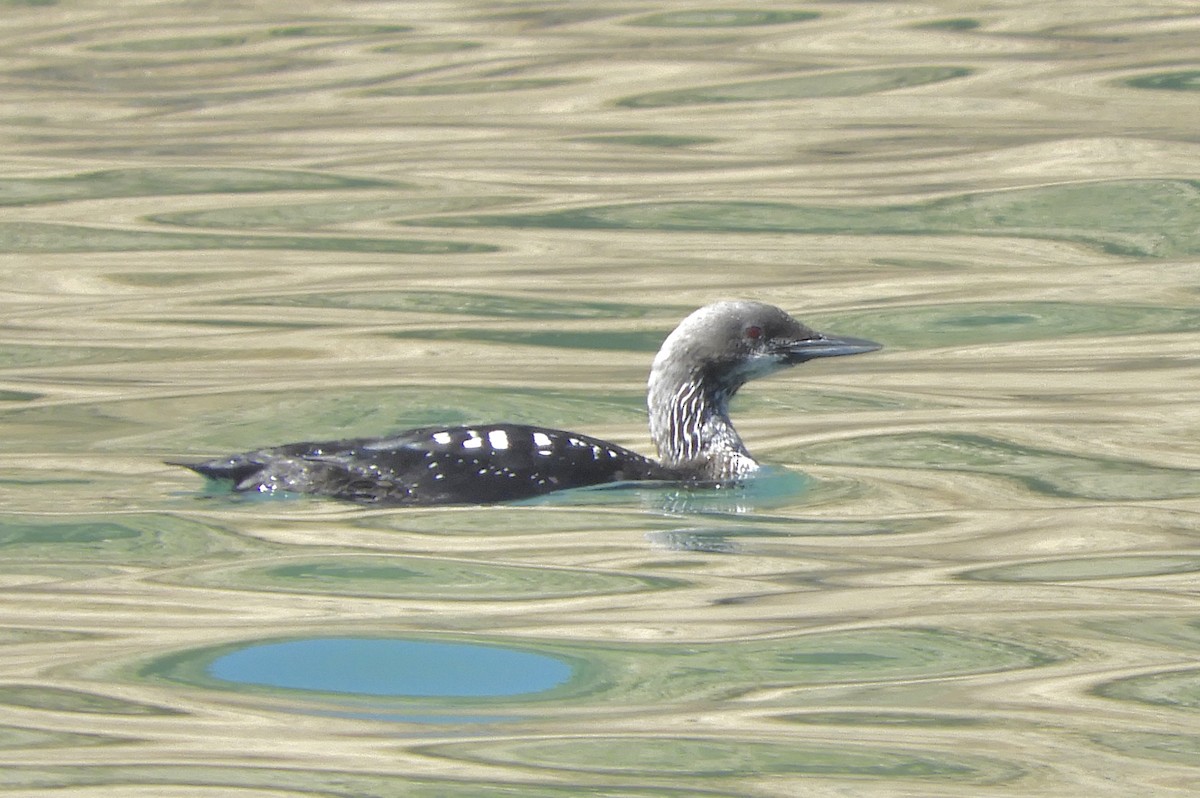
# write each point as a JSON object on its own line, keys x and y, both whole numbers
{"x": 969, "y": 569}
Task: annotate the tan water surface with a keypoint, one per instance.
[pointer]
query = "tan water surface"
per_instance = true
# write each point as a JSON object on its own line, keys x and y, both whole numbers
{"x": 974, "y": 569}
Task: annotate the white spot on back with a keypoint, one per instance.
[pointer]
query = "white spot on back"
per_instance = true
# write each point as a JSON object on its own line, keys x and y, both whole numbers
{"x": 441, "y": 437}
{"x": 473, "y": 440}
{"x": 498, "y": 438}
{"x": 541, "y": 439}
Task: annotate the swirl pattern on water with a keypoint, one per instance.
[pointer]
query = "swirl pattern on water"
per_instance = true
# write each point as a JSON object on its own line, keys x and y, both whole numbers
{"x": 972, "y": 564}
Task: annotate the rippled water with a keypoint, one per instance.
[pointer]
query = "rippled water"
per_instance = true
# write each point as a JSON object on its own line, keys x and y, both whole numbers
{"x": 973, "y": 569}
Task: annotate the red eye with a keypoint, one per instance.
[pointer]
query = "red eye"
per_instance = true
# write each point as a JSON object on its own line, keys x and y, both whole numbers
{"x": 753, "y": 332}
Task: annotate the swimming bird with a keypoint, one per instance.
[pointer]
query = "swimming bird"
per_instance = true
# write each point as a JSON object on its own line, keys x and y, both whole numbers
{"x": 700, "y": 367}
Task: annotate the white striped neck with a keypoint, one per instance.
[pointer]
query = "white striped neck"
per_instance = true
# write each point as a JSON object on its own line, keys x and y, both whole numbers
{"x": 690, "y": 425}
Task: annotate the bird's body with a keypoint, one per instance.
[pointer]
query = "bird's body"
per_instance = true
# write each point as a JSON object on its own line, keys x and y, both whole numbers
{"x": 701, "y": 365}
{"x": 437, "y": 465}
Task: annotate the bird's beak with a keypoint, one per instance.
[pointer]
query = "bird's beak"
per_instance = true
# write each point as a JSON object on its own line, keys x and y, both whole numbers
{"x": 826, "y": 346}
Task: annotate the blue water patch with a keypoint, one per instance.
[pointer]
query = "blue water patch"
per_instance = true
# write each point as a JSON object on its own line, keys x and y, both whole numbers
{"x": 390, "y": 667}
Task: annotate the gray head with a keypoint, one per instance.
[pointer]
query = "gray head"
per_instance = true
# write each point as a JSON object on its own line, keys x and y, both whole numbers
{"x": 702, "y": 364}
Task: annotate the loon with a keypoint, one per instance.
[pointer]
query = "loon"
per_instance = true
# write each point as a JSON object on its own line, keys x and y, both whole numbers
{"x": 701, "y": 365}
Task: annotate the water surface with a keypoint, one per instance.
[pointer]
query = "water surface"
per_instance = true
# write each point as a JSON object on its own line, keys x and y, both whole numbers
{"x": 973, "y": 569}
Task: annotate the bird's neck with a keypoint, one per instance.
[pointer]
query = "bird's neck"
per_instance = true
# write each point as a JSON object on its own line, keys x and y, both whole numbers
{"x": 690, "y": 425}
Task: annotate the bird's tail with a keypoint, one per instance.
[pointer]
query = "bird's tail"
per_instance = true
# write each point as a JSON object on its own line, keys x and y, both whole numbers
{"x": 236, "y": 469}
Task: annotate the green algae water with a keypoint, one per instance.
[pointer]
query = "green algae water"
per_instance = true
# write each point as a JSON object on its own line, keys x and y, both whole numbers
{"x": 970, "y": 569}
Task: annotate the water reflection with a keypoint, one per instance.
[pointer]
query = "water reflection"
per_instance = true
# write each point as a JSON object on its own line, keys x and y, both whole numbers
{"x": 822, "y": 84}
{"x": 307, "y": 780}
{"x": 59, "y": 700}
{"x": 491, "y": 670}
{"x": 1176, "y": 689}
{"x": 46, "y": 237}
{"x": 1148, "y": 218}
{"x": 171, "y": 181}
{"x": 235, "y": 226}
{"x": 702, "y": 758}
{"x": 1089, "y": 568}
{"x": 1054, "y": 473}
{"x": 721, "y": 18}
{"x": 383, "y": 667}
{"x": 426, "y": 578}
